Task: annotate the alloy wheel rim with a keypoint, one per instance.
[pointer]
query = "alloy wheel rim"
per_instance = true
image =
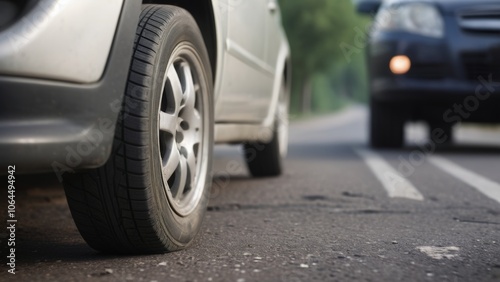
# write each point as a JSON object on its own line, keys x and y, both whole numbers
{"x": 182, "y": 127}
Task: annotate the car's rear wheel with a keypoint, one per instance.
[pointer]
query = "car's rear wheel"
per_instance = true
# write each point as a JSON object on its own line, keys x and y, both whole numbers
{"x": 151, "y": 195}
{"x": 265, "y": 159}
{"x": 386, "y": 125}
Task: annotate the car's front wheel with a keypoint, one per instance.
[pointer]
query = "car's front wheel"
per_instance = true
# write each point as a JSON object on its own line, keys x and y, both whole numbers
{"x": 152, "y": 194}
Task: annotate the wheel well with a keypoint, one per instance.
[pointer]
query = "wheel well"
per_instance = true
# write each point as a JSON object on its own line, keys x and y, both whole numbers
{"x": 202, "y": 11}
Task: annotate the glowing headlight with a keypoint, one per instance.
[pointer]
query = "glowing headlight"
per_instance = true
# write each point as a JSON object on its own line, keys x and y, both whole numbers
{"x": 419, "y": 18}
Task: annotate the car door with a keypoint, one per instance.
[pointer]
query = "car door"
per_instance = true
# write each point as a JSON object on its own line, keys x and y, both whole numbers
{"x": 247, "y": 77}
{"x": 274, "y": 33}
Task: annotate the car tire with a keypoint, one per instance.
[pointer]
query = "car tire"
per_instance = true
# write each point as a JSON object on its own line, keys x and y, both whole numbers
{"x": 386, "y": 125}
{"x": 265, "y": 159}
{"x": 152, "y": 194}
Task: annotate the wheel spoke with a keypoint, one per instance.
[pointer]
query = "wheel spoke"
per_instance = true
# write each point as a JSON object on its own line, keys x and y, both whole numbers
{"x": 171, "y": 163}
{"x": 168, "y": 122}
{"x": 195, "y": 121}
{"x": 191, "y": 163}
{"x": 194, "y": 135}
{"x": 176, "y": 86}
{"x": 181, "y": 178}
{"x": 189, "y": 92}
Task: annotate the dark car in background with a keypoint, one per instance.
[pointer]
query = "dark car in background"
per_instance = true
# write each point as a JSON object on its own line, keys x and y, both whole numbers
{"x": 436, "y": 61}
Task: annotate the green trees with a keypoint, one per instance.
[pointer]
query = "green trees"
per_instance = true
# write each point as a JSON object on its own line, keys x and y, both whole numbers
{"x": 318, "y": 31}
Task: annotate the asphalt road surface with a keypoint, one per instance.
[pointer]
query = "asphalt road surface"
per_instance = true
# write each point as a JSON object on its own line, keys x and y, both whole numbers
{"x": 341, "y": 212}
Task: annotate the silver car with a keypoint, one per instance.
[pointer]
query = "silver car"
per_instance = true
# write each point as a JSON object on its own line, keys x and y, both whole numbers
{"x": 124, "y": 100}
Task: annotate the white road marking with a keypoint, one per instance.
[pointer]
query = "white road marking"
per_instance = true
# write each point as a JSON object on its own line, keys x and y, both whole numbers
{"x": 481, "y": 183}
{"x": 440, "y": 252}
{"x": 396, "y": 185}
